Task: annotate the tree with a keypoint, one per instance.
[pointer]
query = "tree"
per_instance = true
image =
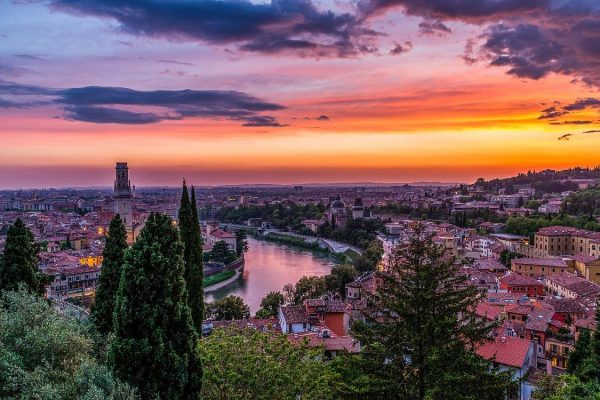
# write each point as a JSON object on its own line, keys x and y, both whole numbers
{"x": 19, "y": 263}
{"x": 45, "y": 355}
{"x": 189, "y": 227}
{"x": 587, "y": 363}
{"x": 339, "y": 277}
{"x": 240, "y": 242}
{"x": 154, "y": 345}
{"x": 308, "y": 287}
{"x": 249, "y": 364}
{"x": 420, "y": 336}
{"x": 222, "y": 253}
{"x": 113, "y": 256}
{"x": 269, "y": 305}
{"x": 369, "y": 260}
{"x": 580, "y": 353}
{"x": 227, "y": 308}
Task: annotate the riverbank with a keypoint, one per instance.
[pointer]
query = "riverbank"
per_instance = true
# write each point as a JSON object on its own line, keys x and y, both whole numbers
{"x": 301, "y": 243}
{"x": 228, "y": 275}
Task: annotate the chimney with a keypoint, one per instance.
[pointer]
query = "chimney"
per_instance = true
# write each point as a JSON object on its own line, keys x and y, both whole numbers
{"x": 503, "y": 339}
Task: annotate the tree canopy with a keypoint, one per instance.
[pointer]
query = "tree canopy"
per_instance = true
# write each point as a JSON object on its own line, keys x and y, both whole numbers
{"x": 19, "y": 263}
{"x": 154, "y": 345}
{"x": 102, "y": 312}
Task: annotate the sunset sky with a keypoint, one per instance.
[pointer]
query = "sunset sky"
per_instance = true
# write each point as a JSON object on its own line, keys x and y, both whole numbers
{"x": 295, "y": 91}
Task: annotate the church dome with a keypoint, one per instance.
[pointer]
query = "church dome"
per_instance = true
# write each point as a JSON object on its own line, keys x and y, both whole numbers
{"x": 337, "y": 204}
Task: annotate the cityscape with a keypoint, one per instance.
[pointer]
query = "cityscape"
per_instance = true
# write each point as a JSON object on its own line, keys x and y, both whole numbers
{"x": 299, "y": 199}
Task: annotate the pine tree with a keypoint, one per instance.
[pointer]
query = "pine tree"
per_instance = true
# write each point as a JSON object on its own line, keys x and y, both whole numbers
{"x": 154, "y": 347}
{"x": 581, "y": 352}
{"x": 19, "y": 263}
{"x": 189, "y": 226}
{"x": 420, "y": 335}
{"x": 108, "y": 284}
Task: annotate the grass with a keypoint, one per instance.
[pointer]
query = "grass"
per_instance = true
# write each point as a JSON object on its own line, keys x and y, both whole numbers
{"x": 216, "y": 278}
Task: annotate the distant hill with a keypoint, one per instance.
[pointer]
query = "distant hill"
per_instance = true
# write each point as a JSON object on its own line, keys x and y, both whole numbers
{"x": 546, "y": 181}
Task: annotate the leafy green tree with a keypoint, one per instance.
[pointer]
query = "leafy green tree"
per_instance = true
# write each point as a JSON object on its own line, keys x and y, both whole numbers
{"x": 222, "y": 253}
{"x": 570, "y": 387}
{"x": 339, "y": 277}
{"x": 189, "y": 227}
{"x": 113, "y": 257}
{"x": 420, "y": 334}
{"x": 45, "y": 355}
{"x": 19, "y": 263}
{"x": 308, "y": 287}
{"x": 227, "y": 308}
{"x": 369, "y": 260}
{"x": 154, "y": 345}
{"x": 248, "y": 364}
{"x": 269, "y": 305}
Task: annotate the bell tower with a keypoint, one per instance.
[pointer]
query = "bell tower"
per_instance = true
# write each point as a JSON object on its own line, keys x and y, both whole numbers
{"x": 123, "y": 198}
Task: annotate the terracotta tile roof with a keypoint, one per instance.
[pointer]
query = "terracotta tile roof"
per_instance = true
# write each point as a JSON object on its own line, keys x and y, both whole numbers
{"x": 542, "y": 262}
{"x": 520, "y": 280}
{"x": 221, "y": 234}
{"x": 584, "y": 258}
{"x": 511, "y": 351}
{"x": 294, "y": 314}
{"x": 488, "y": 311}
{"x": 562, "y": 305}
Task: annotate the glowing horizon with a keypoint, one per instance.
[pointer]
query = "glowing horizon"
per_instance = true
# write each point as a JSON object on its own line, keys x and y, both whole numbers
{"x": 418, "y": 101}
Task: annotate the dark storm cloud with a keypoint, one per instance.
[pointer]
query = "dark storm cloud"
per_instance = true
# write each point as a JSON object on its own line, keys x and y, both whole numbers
{"x": 283, "y": 25}
{"x": 104, "y": 115}
{"x": 582, "y": 104}
{"x": 261, "y": 120}
{"x": 469, "y": 10}
{"x": 433, "y": 27}
{"x": 99, "y": 104}
{"x": 531, "y": 38}
{"x": 401, "y": 48}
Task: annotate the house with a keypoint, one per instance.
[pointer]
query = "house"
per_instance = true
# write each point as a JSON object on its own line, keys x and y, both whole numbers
{"x": 512, "y": 354}
{"x": 515, "y": 283}
{"x": 313, "y": 224}
{"x": 214, "y": 234}
{"x": 538, "y": 266}
{"x": 588, "y": 266}
{"x": 571, "y": 286}
{"x": 314, "y": 313}
{"x": 558, "y": 351}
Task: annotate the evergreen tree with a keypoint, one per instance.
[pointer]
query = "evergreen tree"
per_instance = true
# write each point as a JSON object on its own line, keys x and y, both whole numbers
{"x": 108, "y": 284}
{"x": 589, "y": 368}
{"x": 189, "y": 226}
{"x": 154, "y": 347}
{"x": 421, "y": 333}
{"x": 195, "y": 280}
{"x": 581, "y": 352}
{"x": 19, "y": 263}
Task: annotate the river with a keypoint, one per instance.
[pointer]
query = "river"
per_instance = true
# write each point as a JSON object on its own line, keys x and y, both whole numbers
{"x": 269, "y": 266}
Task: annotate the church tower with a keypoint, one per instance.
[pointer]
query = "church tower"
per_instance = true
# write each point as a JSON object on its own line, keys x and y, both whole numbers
{"x": 123, "y": 198}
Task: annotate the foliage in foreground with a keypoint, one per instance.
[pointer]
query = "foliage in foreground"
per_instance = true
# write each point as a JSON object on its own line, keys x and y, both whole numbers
{"x": 19, "y": 263}
{"x": 420, "y": 334}
{"x": 47, "y": 356}
{"x": 108, "y": 284}
{"x": 154, "y": 344}
{"x": 249, "y": 364}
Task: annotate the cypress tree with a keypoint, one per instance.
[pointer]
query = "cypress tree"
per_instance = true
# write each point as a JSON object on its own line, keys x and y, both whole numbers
{"x": 108, "y": 284}
{"x": 189, "y": 227}
{"x": 589, "y": 367}
{"x": 19, "y": 263}
{"x": 196, "y": 273}
{"x": 421, "y": 333}
{"x": 154, "y": 347}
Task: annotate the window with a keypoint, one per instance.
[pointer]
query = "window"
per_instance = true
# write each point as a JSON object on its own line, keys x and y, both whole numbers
{"x": 554, "y": 361}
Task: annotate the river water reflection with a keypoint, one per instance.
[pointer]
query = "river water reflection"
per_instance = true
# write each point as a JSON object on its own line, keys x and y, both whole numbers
{"x": 269, "y": 266}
